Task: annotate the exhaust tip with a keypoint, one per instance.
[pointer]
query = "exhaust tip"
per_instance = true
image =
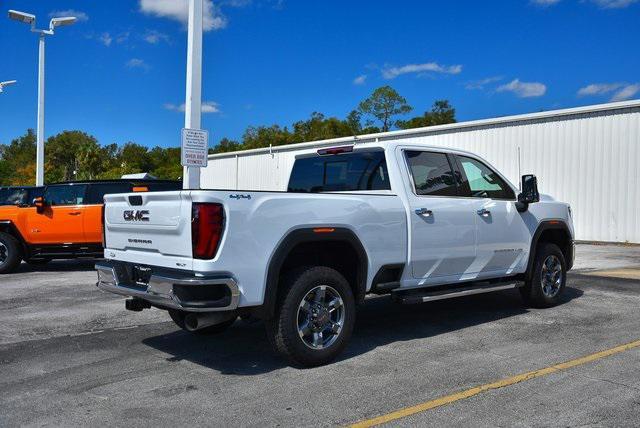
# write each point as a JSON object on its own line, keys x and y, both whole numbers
{"x": 191, "y": 322}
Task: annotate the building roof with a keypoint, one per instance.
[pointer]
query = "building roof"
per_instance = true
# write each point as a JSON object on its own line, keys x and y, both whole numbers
{"x": 451, "y": 127}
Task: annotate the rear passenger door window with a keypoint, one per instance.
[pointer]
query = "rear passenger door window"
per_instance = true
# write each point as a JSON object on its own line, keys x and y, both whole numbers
{"x": 65, "y": 195}
{"x": 431, "y": 173}
{"x": 480, "y": 181}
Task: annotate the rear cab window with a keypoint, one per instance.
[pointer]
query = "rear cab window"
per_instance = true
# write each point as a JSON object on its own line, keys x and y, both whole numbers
{"x": 346, "y": 172}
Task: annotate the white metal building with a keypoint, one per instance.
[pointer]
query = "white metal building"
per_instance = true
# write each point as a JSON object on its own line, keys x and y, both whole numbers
{"x": 587, "y": 156}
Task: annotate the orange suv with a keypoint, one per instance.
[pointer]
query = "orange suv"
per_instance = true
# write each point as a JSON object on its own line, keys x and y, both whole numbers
{"x": 64, "y": 223}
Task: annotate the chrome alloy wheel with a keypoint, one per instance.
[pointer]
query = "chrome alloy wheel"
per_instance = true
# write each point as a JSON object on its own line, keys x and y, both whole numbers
{"x": 4, "y": 253}
{"x": 551, "y": 276}
{"x": 321, "y": 316}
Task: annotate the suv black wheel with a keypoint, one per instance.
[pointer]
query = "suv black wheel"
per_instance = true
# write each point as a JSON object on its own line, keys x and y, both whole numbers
{"x": 179, "y": 316}
{"x": 548, "y": 279}
{"x": 10, "y": 253}
{"x": 314, "y": 316}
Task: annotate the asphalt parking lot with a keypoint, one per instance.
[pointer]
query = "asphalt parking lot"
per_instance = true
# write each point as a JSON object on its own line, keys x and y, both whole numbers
{"x": 72, "y": 355}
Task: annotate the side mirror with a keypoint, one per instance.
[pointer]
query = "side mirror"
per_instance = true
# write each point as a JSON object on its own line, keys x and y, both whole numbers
{"x": 39, "y": 204}
{"x": 529, "y": 194}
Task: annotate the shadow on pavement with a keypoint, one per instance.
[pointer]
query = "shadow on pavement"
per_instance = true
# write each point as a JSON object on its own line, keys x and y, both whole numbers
{"x": 78, "y": 265}
{"x": 244, "y": 350}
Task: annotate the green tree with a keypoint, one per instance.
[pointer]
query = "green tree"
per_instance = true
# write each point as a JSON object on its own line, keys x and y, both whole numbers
{"x": 17, "y": 159}
{"x": 354, "y": 121}
{"x": 134, "y": 158}
{"x": 264, "y": 136}
{"x": 384, "y": 104}
{"x": 318, "y": 127}
{"x": 166, "y": 162}
{"x": 441, "y": 113}
{"x": 72, "y": 155}
{"x": 226, "y": 145}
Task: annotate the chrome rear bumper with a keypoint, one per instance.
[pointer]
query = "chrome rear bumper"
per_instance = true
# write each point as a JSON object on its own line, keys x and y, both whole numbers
{"x": 163, "y": 289}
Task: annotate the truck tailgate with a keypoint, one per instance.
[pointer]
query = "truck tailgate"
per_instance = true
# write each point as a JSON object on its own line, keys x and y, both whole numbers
{"x": 149, "y": 228}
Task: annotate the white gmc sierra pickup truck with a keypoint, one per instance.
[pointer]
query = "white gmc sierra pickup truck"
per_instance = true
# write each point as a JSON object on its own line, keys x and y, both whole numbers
{"x": 419, "y": 223}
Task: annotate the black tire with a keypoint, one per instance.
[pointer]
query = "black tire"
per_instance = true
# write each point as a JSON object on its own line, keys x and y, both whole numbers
{"x": 178, "y": 319}
{"x": 10, "y": 253}
{"x": 282, "y": 329}
{"x": 533, "y": 292}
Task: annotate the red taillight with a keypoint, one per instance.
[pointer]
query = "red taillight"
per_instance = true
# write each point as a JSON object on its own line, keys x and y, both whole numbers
{"x": 104, "y": 232}
{"x": 207, "y": 223}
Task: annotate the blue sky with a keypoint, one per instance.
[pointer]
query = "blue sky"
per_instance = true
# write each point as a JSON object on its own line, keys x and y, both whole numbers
{"x": 119, "y": 73}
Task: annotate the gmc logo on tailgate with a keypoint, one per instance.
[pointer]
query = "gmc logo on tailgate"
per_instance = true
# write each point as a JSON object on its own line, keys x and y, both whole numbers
{"x": 136, "y": 215}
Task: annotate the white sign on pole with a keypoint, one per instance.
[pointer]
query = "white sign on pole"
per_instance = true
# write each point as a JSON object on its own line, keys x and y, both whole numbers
{"x": 195, "y": 145}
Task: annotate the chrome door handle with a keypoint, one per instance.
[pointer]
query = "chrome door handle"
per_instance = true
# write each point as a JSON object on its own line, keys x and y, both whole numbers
{"x": 424, "y": 212}
{"x": 484, "y": 212}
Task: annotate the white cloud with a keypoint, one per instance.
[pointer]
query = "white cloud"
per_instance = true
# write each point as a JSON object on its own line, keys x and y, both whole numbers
{"x": 81, "y": 16}
{"x": 178, "y": 10}
{"x": 360, "y": 80}
{"x": 123, "y": 37}
{"x": 210, "y": 107}
{"x": 545, "y": 3}
{"x": 626, "y": 93}
{"x": 393, "y": 72}
{"x": 603, "y": 4}
{"x": 599, "y": 89}
{"x": 105, "y": 39}
{"x": 480, "y": 84}
{"x": 154, "y": 36}
{"x": 137, "y": 63}
{"x": 620, "y": 91}
{"x": 524, "y": 89}
{"x": 207, "y": 107}
{"x": 614, "y": 4}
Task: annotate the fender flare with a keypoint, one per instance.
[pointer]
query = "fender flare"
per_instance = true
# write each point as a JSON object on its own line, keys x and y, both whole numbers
{"x": 552, "y": 224}
{"x": 7, "y": 226}
{"x": 307, "y": 235}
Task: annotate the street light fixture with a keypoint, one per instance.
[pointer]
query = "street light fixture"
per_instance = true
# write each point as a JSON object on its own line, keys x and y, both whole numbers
{"x": 6, "y": 83}
{"x": 30, "y": 19}
{"x": 27, "y": 18}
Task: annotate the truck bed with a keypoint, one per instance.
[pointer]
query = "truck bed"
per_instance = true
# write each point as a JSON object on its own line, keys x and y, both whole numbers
{"x": 255, "y": 224}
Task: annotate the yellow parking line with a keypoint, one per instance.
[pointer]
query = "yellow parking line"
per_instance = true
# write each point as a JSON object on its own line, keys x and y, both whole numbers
{"x": 408, "y": 411}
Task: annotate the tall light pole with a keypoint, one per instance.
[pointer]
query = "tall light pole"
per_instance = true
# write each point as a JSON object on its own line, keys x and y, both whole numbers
{"x": 193, "y": 101}
{"x": 30, "y": 19}
{"x": 6, "y": 83}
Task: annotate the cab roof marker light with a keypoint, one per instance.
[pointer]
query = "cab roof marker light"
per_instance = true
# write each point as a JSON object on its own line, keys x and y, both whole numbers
{"x": 335, "y": 150}
{"x": 324, "y": 230}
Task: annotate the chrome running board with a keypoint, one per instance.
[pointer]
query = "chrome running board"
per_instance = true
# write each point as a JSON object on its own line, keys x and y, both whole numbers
{"x": 431, "y": 294}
